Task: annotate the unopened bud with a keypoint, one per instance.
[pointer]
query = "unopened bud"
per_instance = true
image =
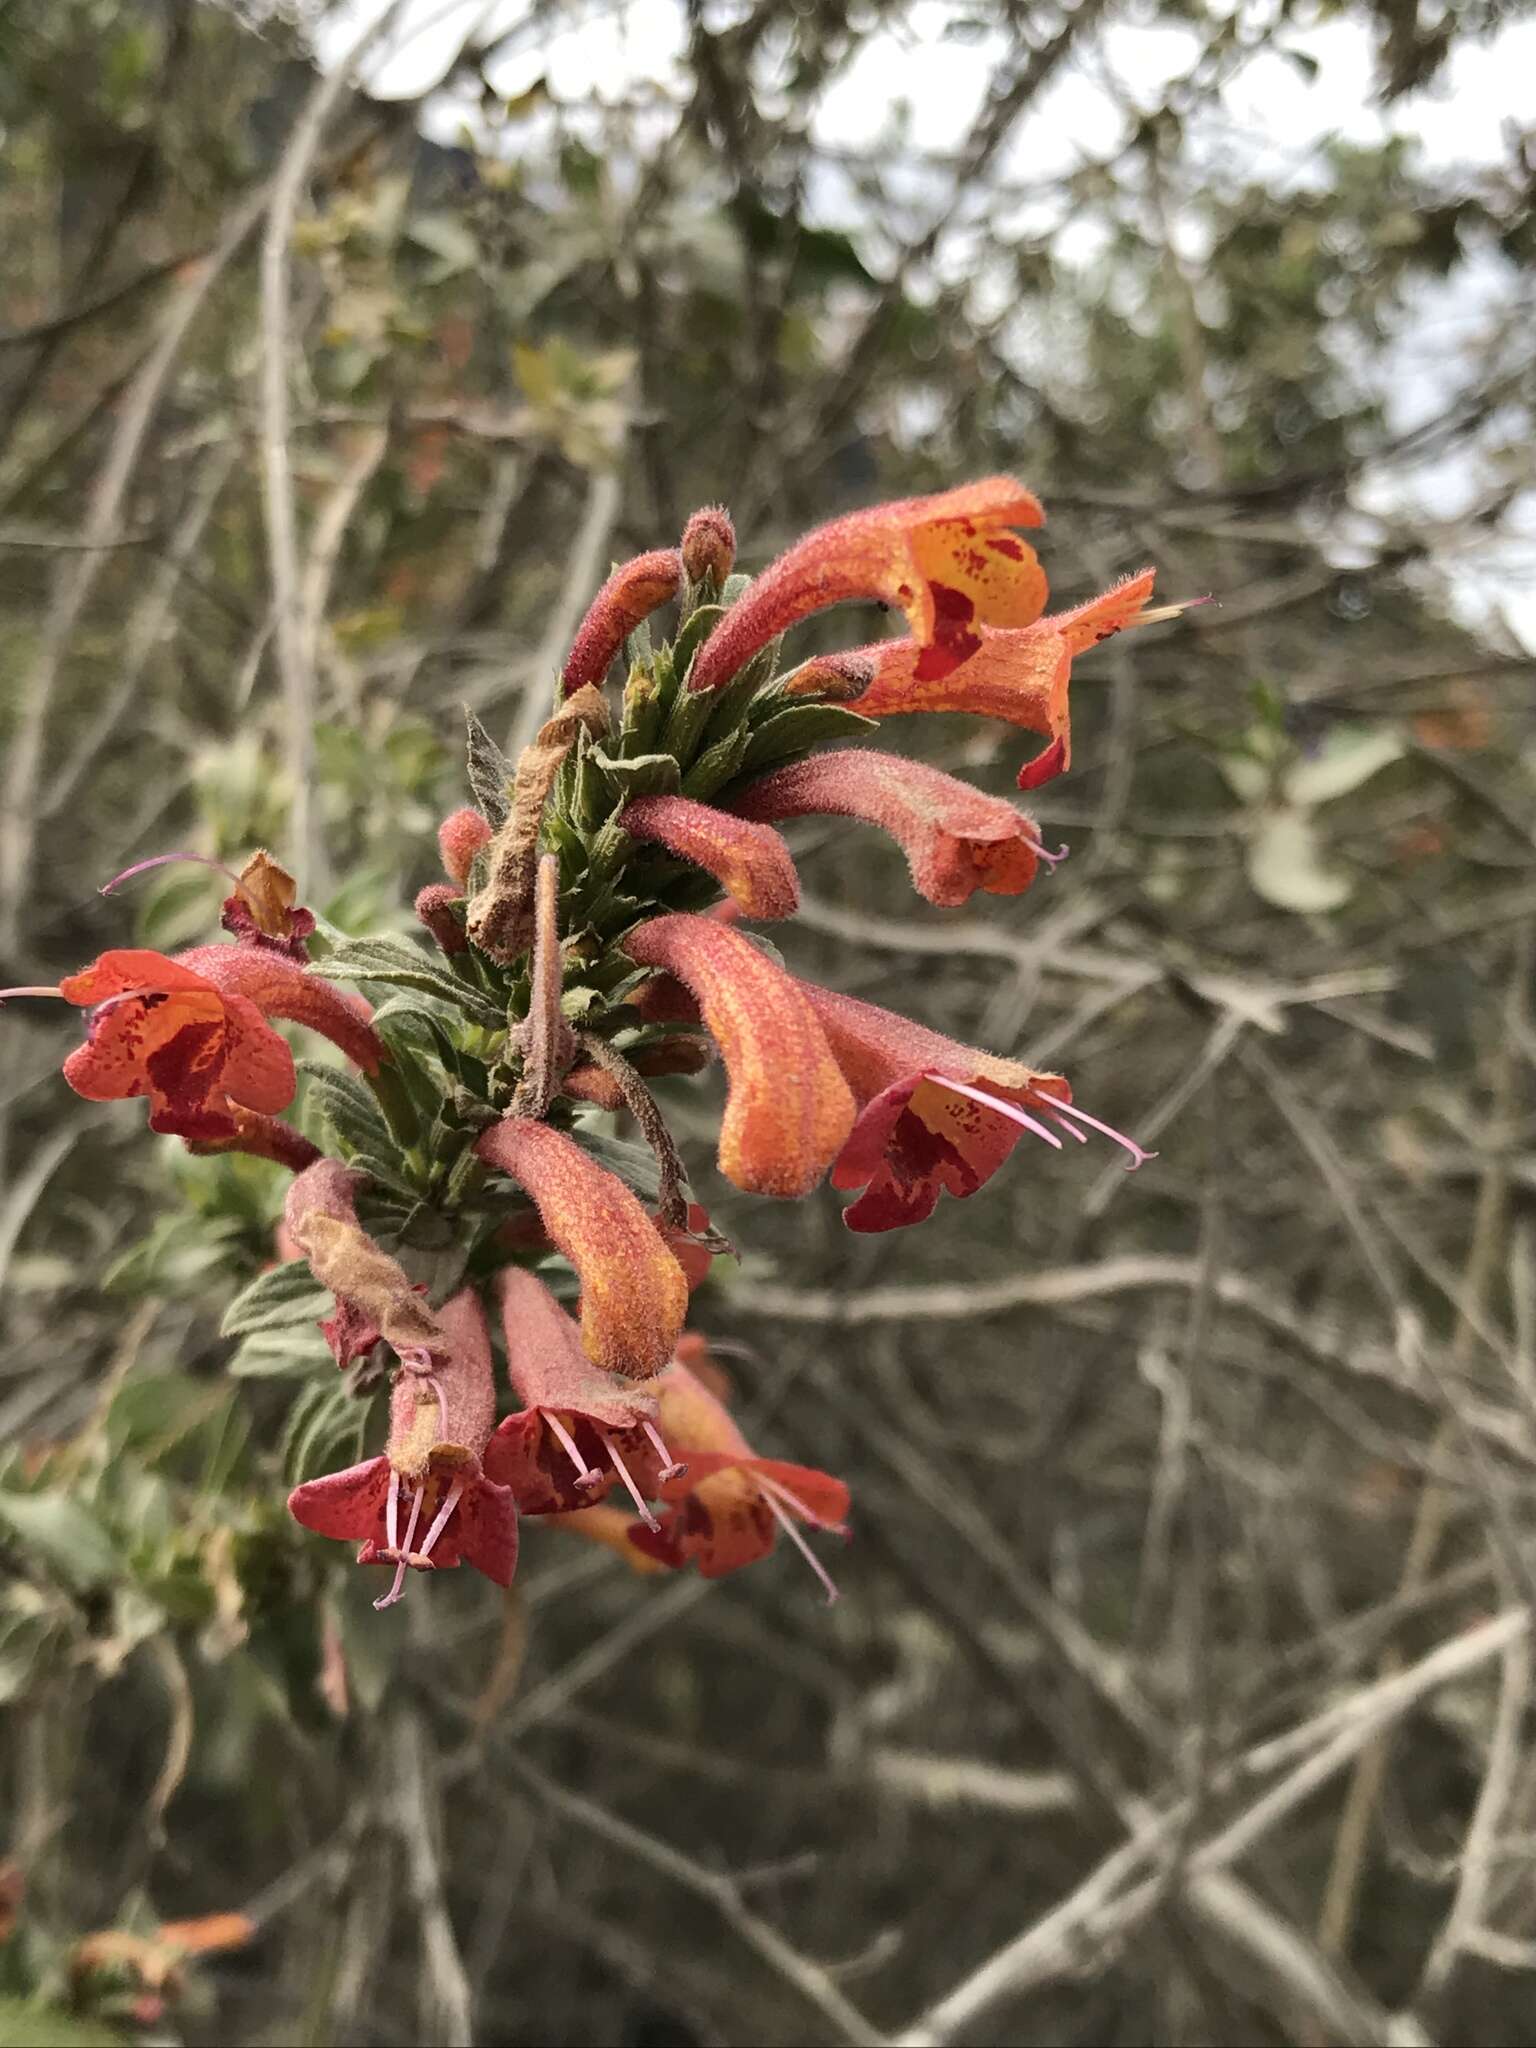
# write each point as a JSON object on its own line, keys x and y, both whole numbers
{"x": 459, "y": 838}
{"x": 441, "y": 910}
{"x": 709, "y": 546}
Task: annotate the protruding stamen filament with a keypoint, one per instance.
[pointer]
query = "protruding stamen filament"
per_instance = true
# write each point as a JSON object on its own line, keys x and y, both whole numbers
{"x": 1042, "y": 852}
{"x": 1061, "y": 1110}
{"x": 585, "y": 1476}
{"x": 440, "y": 1521}
{"x": 398, "y": 1587}
{"x": 1010, "y": 1110}
{"x": 801, "y": 1545}
{"x": 161, "y": 860}
{"x": 627, "y": 1476}
{"x": 1156, "y": 617}
{"x": 671, "y": 1468}
{"x": 778, "y": 1488}
{"x": 392, "y": 1511}
{"x": 5, "y": 992}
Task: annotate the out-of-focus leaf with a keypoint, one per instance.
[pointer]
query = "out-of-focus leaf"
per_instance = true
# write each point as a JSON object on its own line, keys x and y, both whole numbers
{"x": 1348, "y": 757}
{"x": 63, "y": 1532}
{"x": 1287, "y": 867}
{"x": 280, "y": 1354}
{"x": 276, "y": 1300}
{"x": 24, "y": 2024}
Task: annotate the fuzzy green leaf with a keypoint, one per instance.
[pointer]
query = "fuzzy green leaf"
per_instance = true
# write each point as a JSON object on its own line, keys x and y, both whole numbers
{"x": 796, "y": 728}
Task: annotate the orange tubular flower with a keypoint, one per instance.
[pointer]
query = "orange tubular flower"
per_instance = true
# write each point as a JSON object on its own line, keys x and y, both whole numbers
{"x": 441, "y": 1414}
{"x": 631, "y": 594}
{"x": 750, "y": 862}
{"x": 1016, "y": 674}
{"x": 949, "y": 561}
{"x": 726, "y": 1508}
{"x": 633, "y": 1292}
{"x": 956, "y": 839}
{"x": 579, "y": 1430}
{"x": 934, "y": 1115}
{"x": 789, "y": 1110}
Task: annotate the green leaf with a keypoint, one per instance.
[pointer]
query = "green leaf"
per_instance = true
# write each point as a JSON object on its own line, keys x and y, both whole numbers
{"x": 64, "y": 1533}
{"x": 276, "y": 1300}
{"x": 644, "y": 775}
{"x": 324, "y": 1430}
{"x": 398, "y": 965}
{"x": 347, "y": 1106}
{"x": 635, "y": 1165}
{"x": 795, "y": 728}
{"x": 490, "y": 772}
{"x": 25, "y": 2025}
{"x": 717, "y": 765}
{"x": 282, "y": 1354}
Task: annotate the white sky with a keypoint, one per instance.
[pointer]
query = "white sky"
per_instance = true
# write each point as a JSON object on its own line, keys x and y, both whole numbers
{"x": 1271, "y": 122}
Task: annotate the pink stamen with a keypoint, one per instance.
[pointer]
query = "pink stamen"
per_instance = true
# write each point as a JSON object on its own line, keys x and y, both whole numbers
{"x": 778, "y": 1487}
{"x": 1158, "y": 615}
{"x": 1010, "y": 1110}
{"x": 801, "y": 1545}
{"x": 585, "y": 1476}
{"x": 4, "y": 992}
{"x": 440, "y": 1520}
{"x": 161, "y": 860}
{"x": 1060, "y": 1110}
{"x": 671, "y": 1468}
{"x": 1042, "y": 852}
{"x": 625, "y": 1474}
{"x": 404, "y": 1553}
{"x": 392, "y": 1511}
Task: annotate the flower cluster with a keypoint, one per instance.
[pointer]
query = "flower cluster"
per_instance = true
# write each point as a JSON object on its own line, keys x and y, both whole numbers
{"x": 588, "y": 938}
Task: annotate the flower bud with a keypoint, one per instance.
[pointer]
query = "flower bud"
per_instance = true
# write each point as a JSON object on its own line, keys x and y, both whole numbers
{"x": 709, "y": 546}
{"x": 441, "y": 910}
{"x": 459, "y": 838}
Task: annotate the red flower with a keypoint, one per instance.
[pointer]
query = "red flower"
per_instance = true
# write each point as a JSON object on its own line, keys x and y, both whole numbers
{"x": 935, "y": 1115}
{"x": 727, "y": 1508}
{"x": 956, "y": 839}
{"x": 631, "y": 594}
{"x": 949, "y": 561}
{"x": 459, "y": 838}
{"x": 750, "y": 862}
{"x": 1019, "y": 673}
{"x": 159, "y": 1028}
{"x": 633, "y": 1293}
{"x": 579, "y": 1430}
{"x": 788, "y": 1110}
{"x": 427, "y": 1504}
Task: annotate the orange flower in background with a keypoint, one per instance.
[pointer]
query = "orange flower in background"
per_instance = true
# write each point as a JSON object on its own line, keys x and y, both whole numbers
{"x": 579, "y": 1430}
{"x": 934, "y": 1115}
{"x": 750, "y": 862}
{"x": 633, "y": 1292}
{"x": 426, "y": 1504}
{"x": 727, "y": 1508}
{"x": 788, "y": 1110}
{"x": 1018, "y": 674}
{"x": 956, "y": 839}
{"x": 950, "y": 562}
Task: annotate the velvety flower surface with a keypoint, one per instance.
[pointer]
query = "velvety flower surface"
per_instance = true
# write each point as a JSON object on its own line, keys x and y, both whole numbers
{"x": 631, "y": 594}
{"x": 956, "y": 838}
{"x": 633, "y": 1292}
{"x": 750, "y": 862}
{"x": 949, "y": 561}
{"x": 788, "y": 1110}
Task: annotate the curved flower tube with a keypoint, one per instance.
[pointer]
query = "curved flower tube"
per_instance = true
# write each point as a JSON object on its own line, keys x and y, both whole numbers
{"x": 750, "y": 862}
{"x": 633, "y": 1292}
{"x": 934, "y": 1115}
{"x": 426, "y": 1504}
{"x": 956, "y": 839}
{"x": 949, "y": 561}
{"x": 631, "y": 594}
{"x": 788, "y": 1110}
